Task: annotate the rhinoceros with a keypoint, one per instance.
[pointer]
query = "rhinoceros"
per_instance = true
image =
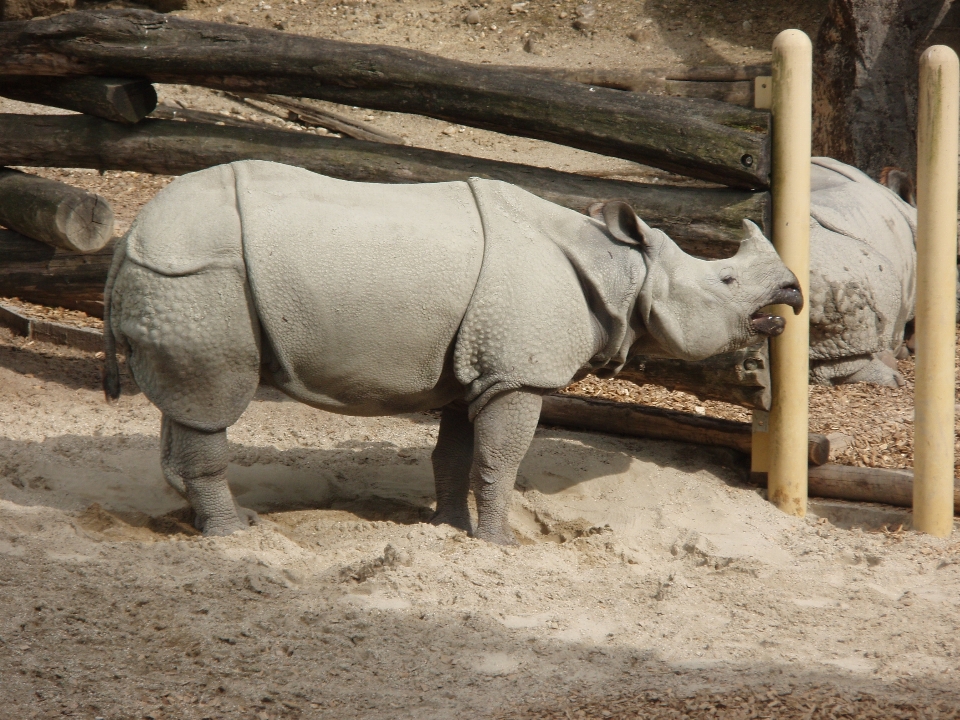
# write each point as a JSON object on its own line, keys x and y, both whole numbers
{"x": 862, "y": 275}
{"x": 475, "y": 297}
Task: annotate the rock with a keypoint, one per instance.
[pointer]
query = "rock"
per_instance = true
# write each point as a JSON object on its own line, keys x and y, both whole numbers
{"x": 586, "y": 18}
{"x": 839, "y": 442}
{"x": 530, "y": 46}
{"x": 473, "y": 17}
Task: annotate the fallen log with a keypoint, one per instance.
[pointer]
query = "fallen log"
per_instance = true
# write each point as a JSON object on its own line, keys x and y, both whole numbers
{"x": 700, "y": 138}
{"x": 45, "y": 275}
{"x": 54, "y": 213}
{"x": 863, "y": 484}
{"x": 165, "y": 111}
{"x": 704, "y": 221}
{"x": 617, "y": 418}
{"x": 741, "y": 377}
{"x": 315, "y": 117}
{"x": 118, "y": 99}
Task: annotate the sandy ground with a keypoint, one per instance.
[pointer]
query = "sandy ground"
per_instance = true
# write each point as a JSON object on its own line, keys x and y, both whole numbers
{"x": 649, "y": 581}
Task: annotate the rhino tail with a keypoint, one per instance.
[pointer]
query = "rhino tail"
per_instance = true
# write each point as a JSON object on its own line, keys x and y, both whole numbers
{"x": 111, "y": 368}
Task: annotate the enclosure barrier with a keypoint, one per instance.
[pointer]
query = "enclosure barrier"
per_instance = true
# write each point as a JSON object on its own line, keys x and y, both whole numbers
{"x": 933, "y": 438}
{"x": 790, "y": 352}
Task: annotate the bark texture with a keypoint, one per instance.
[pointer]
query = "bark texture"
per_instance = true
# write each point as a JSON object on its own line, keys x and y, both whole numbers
{"x": 54, "y": 213}
{"x": 865, "y": 80}
{"x": 41, "y": 274}
{"x": 697, "y": 137}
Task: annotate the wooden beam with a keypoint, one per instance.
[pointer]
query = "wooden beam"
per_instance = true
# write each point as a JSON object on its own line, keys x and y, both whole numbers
{"x": 618, "y": 418}
{"x": 863, "y": 484}
{"x": 741, "y": 377}
{"x": 703, "y": 221}
{"x": 41, "y": 274}
{"x": 118, "y": 99}
{"x": 701, "y": 138}
{"x": 54, "y": 213}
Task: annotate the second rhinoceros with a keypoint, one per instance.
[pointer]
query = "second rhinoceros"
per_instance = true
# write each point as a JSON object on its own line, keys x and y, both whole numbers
{"x": 476, "y": 297}
{"x": 863, "y": 262}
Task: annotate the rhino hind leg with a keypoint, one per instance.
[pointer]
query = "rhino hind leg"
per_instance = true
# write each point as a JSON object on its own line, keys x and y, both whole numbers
{"x": 503, "y": 430}
{"x": 864, "y": 368}
{"x": 194, "y": 462}
{"x": 452, "y": 459}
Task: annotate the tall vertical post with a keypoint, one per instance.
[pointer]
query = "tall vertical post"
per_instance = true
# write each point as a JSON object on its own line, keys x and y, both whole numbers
{"x": 789, "y": 353}
{"x": 933, "y": 427}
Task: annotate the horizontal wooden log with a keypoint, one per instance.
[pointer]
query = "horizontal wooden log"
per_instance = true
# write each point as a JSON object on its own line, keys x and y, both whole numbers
{"x": 733, "y": 84}
{"x": 41, "y": 274}
{"x": 740, "y": 378}
{"x": 607, "y": 416}
{"x": 704, "y": 221}
{"x": 119, "y": 99}
{"x": 54, "y": 213}
{"x": 864, "y": 484}
{"x": 700, "y": 138}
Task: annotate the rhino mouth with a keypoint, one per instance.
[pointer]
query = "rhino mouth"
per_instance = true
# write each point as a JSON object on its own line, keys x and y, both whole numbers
{"x": 767, "y": 324}
{"x": 772, "y": 325}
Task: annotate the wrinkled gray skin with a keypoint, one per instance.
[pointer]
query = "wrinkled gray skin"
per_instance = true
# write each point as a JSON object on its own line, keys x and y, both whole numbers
{"x": 368, "y": 299}
{"x": 862, "y": 276}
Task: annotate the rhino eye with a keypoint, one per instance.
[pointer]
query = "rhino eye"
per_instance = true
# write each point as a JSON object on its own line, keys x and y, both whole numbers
{"x": 728, "y": 278}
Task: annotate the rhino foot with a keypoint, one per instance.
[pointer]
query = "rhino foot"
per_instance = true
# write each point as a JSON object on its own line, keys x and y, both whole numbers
{"x": 459, "y": 521}
{"x": 877, "y": 372}
{"x": 502, "y": 536}
{"x": 865, "y": 369}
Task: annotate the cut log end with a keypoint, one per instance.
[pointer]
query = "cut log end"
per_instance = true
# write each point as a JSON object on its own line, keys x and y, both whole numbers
{"x": 54, "y": 213}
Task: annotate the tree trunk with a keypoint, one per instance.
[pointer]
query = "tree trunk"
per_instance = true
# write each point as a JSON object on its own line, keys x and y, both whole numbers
{"x": 54, "y": 213}
{"x": 865, "y": 80}
{"x": 700, "y": 138}
{"x": 38, "y": 273}
{"x": 606, "y": 416}
{"x": 704, "y": 221}
{"x": 118, "y": 99}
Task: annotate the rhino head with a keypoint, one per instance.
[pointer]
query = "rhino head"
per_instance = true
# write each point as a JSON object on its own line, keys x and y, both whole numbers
{"x": 694, "y": 309}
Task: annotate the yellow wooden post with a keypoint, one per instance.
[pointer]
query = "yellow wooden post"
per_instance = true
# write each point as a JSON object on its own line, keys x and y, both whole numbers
{"x": 933, "y": 427}
{"x": 790, "y": 186}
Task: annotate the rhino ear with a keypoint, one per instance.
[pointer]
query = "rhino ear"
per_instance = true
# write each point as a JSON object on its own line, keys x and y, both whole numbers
{"x": 596, "y": 211}
{"x": 625, "y": 226}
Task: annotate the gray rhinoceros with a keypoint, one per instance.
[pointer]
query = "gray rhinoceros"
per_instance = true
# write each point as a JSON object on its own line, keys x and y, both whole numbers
{"x": 475, "y": 297}
{"x": 862, "y": 275}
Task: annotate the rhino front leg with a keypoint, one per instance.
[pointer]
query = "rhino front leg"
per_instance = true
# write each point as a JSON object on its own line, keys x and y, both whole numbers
{"x": 194, "y": 462}
{"x": 452, "y": 459}
{"x": 503, "y": 430}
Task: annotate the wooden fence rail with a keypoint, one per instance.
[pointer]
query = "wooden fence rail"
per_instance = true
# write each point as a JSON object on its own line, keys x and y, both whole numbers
{"x": 696, "y": 137}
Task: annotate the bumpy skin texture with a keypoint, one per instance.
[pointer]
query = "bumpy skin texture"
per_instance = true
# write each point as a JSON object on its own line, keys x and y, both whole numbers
{"x": 862, "y": 275}
{"x": 378, "y": 299}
